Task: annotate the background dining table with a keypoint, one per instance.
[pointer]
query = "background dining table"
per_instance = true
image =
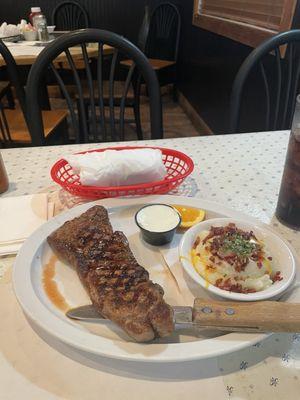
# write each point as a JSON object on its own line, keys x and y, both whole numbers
{"x": 240, "y": 171}
{"x": 26, "y": 52}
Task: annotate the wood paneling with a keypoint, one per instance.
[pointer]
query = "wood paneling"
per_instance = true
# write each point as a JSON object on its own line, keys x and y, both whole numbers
{"x": 240, "y": 32}
{"x": 265, "y": 13}
{"x": 249, "y": 22}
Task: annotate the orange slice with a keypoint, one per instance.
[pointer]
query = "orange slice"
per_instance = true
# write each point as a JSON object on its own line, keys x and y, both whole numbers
{"x": 189, "y": 216}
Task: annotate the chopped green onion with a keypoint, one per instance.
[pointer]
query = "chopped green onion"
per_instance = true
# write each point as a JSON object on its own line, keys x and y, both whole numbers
{"x": 237, "y": 244}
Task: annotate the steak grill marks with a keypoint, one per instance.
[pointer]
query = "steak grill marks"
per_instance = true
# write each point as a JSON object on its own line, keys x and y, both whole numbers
{"x": 118, "y": 286}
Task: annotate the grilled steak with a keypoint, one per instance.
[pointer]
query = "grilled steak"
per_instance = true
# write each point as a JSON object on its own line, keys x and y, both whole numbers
{"x": 118, "y": 286}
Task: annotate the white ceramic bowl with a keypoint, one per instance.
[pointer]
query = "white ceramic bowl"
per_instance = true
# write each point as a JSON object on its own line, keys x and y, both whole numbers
{"x": 278, "y": 248}
{"x": 50, "y": 28}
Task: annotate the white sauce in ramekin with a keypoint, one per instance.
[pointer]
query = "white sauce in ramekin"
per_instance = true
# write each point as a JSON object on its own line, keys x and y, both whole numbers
{"x": 158, "y": 218}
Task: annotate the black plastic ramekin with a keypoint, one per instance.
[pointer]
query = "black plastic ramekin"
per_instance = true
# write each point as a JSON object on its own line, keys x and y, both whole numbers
{"x": 157, "y": 238}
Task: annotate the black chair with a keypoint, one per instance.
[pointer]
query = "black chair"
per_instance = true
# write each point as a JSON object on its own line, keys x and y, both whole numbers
{"x": 158, "y": 38}
{"x": 164, "y": 33}
{"x": 275, "y": 64}
{"x": 70, "y": 16}
{"x": 14, "y": 122}
{"x": 92, "y": 125}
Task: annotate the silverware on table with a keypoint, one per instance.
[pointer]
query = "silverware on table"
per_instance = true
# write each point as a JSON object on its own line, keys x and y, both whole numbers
{"x": 262, "y": 316}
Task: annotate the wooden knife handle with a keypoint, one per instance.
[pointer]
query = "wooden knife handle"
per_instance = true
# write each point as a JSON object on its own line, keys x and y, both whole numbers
{"x": 260, "y": 316}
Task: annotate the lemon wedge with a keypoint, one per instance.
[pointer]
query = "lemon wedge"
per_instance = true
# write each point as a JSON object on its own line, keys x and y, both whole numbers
{"x": 189, "y": 216}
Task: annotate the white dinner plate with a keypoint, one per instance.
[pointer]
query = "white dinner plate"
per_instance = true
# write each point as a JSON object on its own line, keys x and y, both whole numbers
{"x": 107, "y": 339}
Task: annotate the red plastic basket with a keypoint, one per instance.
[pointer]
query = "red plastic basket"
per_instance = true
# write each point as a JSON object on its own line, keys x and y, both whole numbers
{"x": 178, "y": 166}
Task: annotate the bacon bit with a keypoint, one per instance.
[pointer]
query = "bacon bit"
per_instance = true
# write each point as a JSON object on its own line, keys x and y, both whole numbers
{"x": 218, "y": 236}
{"x": 210, "y": 267}
{"x": 277, "y": 277}
{"x": 233, "y": 287}
{"x": 234, "y": 246}
{"x": 219, "y": 282}
{"x": 197, "y": 242}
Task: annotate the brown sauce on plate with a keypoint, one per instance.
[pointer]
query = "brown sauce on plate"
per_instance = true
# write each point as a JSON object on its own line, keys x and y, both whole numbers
{"x": 50, "y": 286}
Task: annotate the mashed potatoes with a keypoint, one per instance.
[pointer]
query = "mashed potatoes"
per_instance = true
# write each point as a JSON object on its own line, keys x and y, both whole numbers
{"x": 233, "y": 260}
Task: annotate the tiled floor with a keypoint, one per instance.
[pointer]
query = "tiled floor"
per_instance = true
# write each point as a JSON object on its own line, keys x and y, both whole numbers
{"x": 176, "y": 122}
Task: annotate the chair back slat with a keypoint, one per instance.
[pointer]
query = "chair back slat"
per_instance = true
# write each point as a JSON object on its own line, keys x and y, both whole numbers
{"x": 278, "y": 88}
{"x": 111, "y": 87}
{"x": 163, "y": 32}
{"x": 123, "y": 100}
{"x": 90, "y": 90}
{"x": 37, "y": 121}
{"x": 144, "y": 30}
{"x": 267, "y": 93}
{"x": 290, "y": 53}
{"x": 100, "y": 91}
{"x": 80, "y": 103}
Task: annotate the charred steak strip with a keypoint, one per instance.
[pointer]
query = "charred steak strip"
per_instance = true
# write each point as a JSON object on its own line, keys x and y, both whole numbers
{"x": 118, "y": 286}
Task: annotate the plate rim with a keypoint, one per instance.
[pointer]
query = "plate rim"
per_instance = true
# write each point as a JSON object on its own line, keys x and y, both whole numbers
{"x": 173, "y": 352}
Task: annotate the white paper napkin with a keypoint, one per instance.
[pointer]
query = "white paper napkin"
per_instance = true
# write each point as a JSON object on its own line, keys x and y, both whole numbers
{"x": 117, "y": 168}
{"x": 6, "y": 250}
{"x": 25, "y": 50}
{"x": 19, "y": 218}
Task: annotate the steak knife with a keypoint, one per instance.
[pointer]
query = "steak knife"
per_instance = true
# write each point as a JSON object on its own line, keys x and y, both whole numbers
{"x": 262, "y": 316}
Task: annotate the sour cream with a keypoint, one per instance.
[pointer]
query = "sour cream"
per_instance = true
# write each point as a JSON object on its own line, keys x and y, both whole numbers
{"x": 158, "y": 218}
{"x": 216, "y": 271}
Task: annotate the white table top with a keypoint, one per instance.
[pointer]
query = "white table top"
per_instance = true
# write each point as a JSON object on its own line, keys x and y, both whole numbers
{"x": 241, "y": 171}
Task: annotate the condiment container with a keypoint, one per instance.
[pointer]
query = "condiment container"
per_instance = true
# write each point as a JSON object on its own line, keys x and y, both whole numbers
{"x": 34, "y": 12}
{"x": 158, "y": 223}
{"x": 40, "y": 23}
{"x": 288, "y": 206}
{"x": 30, "y": 35}
{"x": 3, "y": 177}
